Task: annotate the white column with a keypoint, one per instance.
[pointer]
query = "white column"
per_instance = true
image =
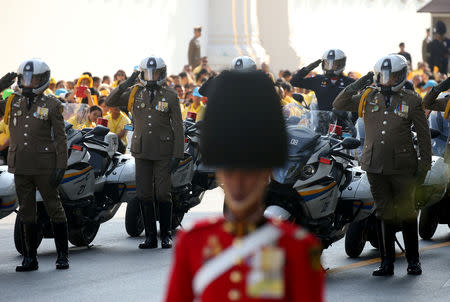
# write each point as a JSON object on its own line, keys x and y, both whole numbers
{"x": 233, "y": 31}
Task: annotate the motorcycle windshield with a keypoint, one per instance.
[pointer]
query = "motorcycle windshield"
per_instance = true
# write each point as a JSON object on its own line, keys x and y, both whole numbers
{"x": 303, "y": 132}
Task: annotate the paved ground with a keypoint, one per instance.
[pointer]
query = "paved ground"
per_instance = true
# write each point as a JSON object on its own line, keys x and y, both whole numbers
{"x": 114, "y": 269}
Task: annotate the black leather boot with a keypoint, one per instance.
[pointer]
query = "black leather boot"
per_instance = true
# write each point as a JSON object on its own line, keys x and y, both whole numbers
{"x": 148, "y": 214}
{"x": 165, "y": 222}
{"x": 411, "y": 240}
{"x": 62, "y": 245}
{"x": 29, "y": 244}
{"x": 386, "y": 242}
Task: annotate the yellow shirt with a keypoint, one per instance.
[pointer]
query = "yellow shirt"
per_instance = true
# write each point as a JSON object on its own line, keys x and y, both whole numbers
{"x": 116, "y": 125}
{"x": 287, "y": 100}
{"x": 78, "y": 125}
{"x": 413, "y": 73}
{"x": 197, "y": 69}
{"x": 4, "y": 132}
{"x": 200, "y": 110}
{"x": 308, "y": 97}
{"x": 48, "y": 91}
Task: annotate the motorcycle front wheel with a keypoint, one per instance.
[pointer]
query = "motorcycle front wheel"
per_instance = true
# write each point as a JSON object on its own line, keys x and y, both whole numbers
{"x": 428, "y": 223}
{"x": 355, "y": 239}
{"x": 83, "y": 235}
{"x": 134, "y": 224}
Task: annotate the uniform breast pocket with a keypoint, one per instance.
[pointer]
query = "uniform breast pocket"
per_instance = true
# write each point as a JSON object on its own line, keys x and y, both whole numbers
{"x": 405, "y": 158}
{"x": 166, "y": 145}
{"x": 136, "y": 144}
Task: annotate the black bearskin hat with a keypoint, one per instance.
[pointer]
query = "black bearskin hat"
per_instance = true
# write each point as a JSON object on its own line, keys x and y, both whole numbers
{"x": 243, "y": 125}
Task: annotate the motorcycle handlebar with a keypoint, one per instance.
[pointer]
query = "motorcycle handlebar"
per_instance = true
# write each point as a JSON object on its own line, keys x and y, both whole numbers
{"x": 343, "y": 155}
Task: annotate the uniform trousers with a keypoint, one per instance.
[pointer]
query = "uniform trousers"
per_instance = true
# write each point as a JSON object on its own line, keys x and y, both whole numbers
{"x": 26, "y": 192}
{"x": 153, "y": 180}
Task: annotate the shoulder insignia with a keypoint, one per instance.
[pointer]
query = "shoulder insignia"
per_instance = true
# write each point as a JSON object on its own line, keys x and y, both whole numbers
{"x": 169, "y": 89}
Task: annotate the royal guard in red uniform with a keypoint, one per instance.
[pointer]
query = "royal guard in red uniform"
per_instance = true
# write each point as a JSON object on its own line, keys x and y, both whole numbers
{"x": 245, "y": 257}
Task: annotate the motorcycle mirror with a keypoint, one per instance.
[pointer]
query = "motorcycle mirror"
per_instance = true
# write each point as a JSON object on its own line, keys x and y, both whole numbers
{"x": 434, "y": 133}
{"x": 67, "y": 125}
{"x": 299, "y": 98}
{"x": 350, "y": 143}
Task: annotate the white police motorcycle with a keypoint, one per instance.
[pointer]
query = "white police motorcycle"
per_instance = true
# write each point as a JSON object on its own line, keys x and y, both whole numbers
{"x": 319, "y": 186}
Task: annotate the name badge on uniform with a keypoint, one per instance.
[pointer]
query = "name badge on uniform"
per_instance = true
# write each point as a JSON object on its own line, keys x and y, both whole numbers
{"x": 41, "y": 113}
{"x": 266, "y": 277}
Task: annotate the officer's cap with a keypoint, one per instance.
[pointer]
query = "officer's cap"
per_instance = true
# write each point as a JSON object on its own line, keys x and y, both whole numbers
{"x": 243, "y": 125}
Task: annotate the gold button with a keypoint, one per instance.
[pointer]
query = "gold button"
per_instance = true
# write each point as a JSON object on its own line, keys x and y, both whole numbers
{"x": 234, "y": 295}
{"x": 235, "y": 277}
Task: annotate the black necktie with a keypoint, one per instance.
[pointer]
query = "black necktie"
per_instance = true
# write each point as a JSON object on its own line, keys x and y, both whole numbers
{"x": 152, "y": 95}
{"x": 387, "y": 99}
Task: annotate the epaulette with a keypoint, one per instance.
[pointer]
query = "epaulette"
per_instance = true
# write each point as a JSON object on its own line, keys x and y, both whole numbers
{"x": 409, "y": 92}
{"x": 205, "y": 224}
{"x": 170, "y": 90}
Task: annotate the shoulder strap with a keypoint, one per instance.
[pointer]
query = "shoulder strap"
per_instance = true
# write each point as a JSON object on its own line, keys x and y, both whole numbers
{"x": 8, "y": 108}
{"x": 131, "y": 98}
{"x": 217, "y": 266}
{"x": 362, "y": 102}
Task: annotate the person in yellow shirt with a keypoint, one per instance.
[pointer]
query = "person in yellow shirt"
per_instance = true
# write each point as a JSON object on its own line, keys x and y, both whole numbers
{"x": 82, "y": 120}
{"x": 116, "y": 124}
{"x": 4, "y": 135}
{"x": 287, "y": 94}
{"x": 196, "y": 106}
{"x": 203, "y": 65}
{"x": 51, "y": 87}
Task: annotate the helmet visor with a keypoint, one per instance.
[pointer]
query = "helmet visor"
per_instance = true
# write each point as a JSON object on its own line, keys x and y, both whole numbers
{"x": 387, "y": 78}
{"x": 331, "y": 64}
{"x": 152, "y": 74}
{"x": 31, "y": 80}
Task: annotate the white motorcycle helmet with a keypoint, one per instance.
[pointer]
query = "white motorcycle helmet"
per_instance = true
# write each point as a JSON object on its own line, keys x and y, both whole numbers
{"x": 333, "y": 62}
{"x": 390, "y": 73}
{"x": 153, "y": 71}
{"x": 243, "y": 63}
{"x": 33, "y": 77}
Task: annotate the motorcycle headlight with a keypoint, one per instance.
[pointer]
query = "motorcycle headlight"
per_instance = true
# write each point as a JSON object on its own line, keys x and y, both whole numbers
{"x": 308, "y": 171}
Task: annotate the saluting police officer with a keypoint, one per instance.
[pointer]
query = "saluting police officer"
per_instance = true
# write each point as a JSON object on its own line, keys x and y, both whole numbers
{"x": 389, "y": 157}
{"x": 157, "y": 143}
{"x": 38, "y": 157}
{"x": 245, "y": 257}
{"x": 330, "y": 84}
{"x": 432, "y": 102}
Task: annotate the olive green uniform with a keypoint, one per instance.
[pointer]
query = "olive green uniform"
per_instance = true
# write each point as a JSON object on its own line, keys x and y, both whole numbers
{"x": 389, "y": 156}
{"x": 158, "y": 137}
{"x": 194, "y": 52}
{"x": 37, "y": 147}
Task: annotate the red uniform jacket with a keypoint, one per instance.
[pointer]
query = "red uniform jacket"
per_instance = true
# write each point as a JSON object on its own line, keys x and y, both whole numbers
{"x": 287, "y": 269}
